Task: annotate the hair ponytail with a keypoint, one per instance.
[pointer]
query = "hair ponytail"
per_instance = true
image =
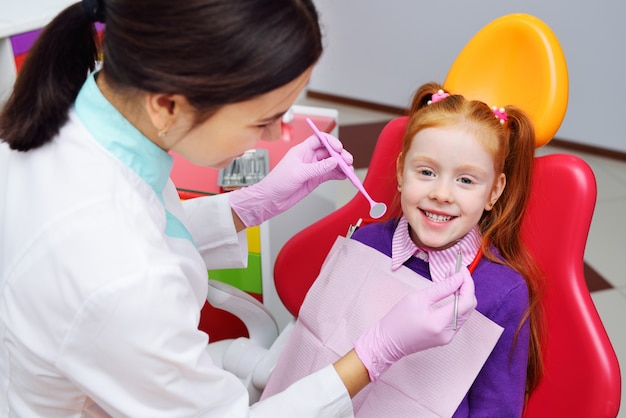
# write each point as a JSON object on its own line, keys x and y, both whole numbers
{"x": 502, "y": 228}
{"x": 49, "y": 81}
{"x": 423, "y": 95}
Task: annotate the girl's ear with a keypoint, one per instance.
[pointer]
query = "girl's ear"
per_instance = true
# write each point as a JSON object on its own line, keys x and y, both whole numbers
{"x": 496, "y": 191}
{"x": 399, "y": 170}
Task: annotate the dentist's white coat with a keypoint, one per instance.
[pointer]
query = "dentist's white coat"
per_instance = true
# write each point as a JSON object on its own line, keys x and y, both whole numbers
{"x": 101, "y": 286}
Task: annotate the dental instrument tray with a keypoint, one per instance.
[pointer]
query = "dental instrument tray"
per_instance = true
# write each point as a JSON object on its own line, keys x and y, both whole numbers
{"x": 245, "y": 170}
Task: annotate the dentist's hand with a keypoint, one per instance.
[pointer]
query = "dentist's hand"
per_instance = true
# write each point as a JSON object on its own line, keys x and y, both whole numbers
{"x": 414, "y": 324}
{"x": 300, "y": 171}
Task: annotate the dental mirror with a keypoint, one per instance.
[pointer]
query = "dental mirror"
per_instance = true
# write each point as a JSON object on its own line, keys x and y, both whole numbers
{"x": 377, "y": 209}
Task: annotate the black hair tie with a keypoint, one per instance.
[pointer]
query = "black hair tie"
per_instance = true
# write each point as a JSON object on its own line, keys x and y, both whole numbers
{"x": 94, "y": 10}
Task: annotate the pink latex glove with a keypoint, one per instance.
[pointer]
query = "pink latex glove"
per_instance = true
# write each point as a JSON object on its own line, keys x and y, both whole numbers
{"x": 414, "y": 324}
{"x": 300, "y": 171}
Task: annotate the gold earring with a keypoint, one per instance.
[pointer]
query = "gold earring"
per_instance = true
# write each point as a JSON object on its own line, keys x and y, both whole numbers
{"x": 162, "y": 133}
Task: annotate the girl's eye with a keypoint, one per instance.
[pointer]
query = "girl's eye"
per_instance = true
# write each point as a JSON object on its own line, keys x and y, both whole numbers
{"x": 426, "y": 172}
{"x": 465, "y": 180}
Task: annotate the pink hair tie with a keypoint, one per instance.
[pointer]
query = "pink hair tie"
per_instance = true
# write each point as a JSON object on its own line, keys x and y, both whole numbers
{"x": 439, "y": 96}
{"x": 500, "y": 114}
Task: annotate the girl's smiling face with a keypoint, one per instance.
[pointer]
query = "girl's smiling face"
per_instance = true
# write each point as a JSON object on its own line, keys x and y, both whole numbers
{"x": 446, "y": 181}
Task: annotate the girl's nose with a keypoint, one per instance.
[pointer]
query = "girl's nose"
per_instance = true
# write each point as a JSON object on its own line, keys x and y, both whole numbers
{"x": 441, "y": 192}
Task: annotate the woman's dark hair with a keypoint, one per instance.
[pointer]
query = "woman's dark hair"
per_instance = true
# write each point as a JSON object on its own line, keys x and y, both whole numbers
{"x": 213, "y": 52}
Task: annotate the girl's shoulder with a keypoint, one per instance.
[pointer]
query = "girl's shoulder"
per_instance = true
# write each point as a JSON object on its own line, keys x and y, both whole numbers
{"x": 498, "y": 284}
{"x": 499, "y": 271}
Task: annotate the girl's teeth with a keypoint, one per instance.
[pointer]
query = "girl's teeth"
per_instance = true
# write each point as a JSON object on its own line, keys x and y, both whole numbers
{"x": 437, "y": 218}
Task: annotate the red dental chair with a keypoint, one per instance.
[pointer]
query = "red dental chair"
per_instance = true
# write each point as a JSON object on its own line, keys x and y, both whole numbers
{"x": 517, "y": 60}
{"x": 582, "y": 373}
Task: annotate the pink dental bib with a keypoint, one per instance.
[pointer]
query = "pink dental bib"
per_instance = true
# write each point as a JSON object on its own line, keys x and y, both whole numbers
{"x": 355, "y": 288}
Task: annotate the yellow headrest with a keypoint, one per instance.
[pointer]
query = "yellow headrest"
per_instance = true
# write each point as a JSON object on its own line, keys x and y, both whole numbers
{"x": 515, "y": 60}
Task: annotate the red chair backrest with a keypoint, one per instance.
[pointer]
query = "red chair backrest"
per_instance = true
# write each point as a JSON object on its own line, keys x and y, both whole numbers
{"x": 582, "y": 372}
{"x": 582, "y": 376}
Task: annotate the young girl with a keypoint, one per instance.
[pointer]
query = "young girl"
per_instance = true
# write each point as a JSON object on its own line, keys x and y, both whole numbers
{"x": 464, "y": 177}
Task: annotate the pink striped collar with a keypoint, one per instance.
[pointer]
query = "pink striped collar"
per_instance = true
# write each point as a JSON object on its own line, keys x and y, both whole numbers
{"x": 441, "y": 263}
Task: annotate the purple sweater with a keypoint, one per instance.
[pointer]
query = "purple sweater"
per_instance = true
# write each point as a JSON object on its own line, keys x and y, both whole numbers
{"x": 502, "y": 296}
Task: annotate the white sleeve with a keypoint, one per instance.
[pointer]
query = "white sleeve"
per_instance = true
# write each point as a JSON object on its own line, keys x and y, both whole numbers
{"x": 321, "y": 394}
{"x": 211, "y": 224}
{"x": 209, "y": 219}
